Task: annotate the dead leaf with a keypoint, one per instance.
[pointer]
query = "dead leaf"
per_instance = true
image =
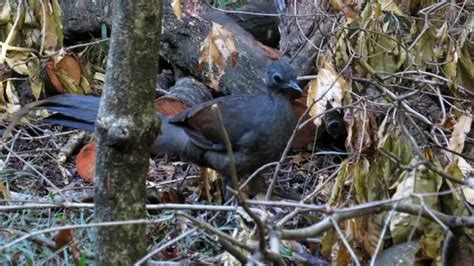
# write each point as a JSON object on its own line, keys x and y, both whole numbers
{"x": 177, "y": 8}
{"x": 326, "y": 88}
{"x": 328, "y": 242}
{"x": 170, "y": 195}
{"x": 391, "y": 6}
{"x": 70, "y": 65}
{"x": 85, "y": 162}
{"x": 209, "y": 183}
{"x": 449, "y": 123}
{"x": 13, "y": 31}
{"x": 458, "y": 137}
{"x": 431, "y": 241}
{"x": 52, "y": 28}
{"x": 418, "y": 180}
{"x": 169, "y": 171}
{"x": 64, "y": 237}
{"x": 6, "y": 13}
{"x": 216, "y": 50}
{"x": 17, "y": 61}
{"x": 12, "y": 101}
{"x": 37, "y": 84}
{"x": 467, "y": 191}
{"x": 455, "y": 202}
{"x": 297, "y": 159}
{"x": 99, "y": 76}
{"x": 465, "y": 168}
{"x": 361, "y": 130}
{"x": 53, "y": 78}
{"x": 66, "y": 74}
{"x": 169, "y": 253}
{"x": 346, "y": 7}
{"x": 31, "y": 20}
{"x": 4, "y": 193}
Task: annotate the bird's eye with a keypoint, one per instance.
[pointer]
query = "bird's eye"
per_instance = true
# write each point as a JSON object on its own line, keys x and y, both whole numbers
{"x": 277, "y": 78}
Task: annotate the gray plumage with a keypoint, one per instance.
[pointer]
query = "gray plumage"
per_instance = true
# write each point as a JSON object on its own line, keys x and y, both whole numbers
{"x": 258, "y": 126}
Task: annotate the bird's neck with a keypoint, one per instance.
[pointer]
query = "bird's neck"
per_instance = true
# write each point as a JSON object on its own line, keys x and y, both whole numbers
{"x": 279, "y": 95}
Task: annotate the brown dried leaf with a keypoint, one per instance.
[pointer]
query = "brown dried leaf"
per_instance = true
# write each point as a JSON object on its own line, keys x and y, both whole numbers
{"x": 66, "y": 75}
{"x": 64, "y": 237}
{"x": 170, "y": 195}
{"x": 70, "y": 65}
{"x": 169, "y": 253}
{"x": 85, "y": 162}
{"x": 69, "y": 84}
{"x": 326, "y": 88}
{"x": 362, "y": 236}
{"x": 53, "y": 77}
{"x": 216, "y": 50}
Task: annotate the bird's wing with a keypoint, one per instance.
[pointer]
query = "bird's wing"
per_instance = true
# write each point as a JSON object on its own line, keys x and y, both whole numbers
{"x": 202, "y": 125}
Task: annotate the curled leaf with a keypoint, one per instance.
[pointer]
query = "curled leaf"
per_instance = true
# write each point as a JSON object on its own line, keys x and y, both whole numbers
{"x": 64, "y": 237}
{"x": 216, "y": 50}
{"x": 85, "y": 162}
{"x": 326, "y": 88}
{"x": 66, "y": 75}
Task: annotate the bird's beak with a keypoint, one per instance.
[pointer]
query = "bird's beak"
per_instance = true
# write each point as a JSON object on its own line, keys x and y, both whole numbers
{"x": 296, "y": 90}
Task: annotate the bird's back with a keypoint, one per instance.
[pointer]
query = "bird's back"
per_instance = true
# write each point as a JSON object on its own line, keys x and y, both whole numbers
{"x": 259, "y": 127}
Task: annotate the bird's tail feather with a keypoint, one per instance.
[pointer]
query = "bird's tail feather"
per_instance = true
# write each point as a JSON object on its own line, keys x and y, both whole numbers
{"x": 80, "y": 112}
{"x": 71, "y": 110}
{"x": 72, "y": 107}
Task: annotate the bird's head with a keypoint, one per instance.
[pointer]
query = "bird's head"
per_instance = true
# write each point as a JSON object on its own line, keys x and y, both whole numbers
{"x": 281, "y": 78}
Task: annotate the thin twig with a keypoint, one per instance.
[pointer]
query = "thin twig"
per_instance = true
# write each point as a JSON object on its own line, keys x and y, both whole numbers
{"x": 78, "y": 226}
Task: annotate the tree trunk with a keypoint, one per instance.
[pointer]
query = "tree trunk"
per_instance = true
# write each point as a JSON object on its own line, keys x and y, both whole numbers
{"x": 126, "y": 127}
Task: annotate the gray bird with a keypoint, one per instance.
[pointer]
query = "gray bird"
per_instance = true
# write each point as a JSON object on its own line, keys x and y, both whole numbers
{"x": 259, "y": 126}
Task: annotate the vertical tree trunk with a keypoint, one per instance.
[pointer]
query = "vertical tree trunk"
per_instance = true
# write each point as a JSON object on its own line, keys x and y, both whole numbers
{"x": 125, "y": 129}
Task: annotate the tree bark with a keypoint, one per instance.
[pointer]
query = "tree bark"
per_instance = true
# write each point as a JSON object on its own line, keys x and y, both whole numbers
{"x": 125, "y": 130}
{"x": 86, "y": 17}
{"x": 182, "y": 40}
